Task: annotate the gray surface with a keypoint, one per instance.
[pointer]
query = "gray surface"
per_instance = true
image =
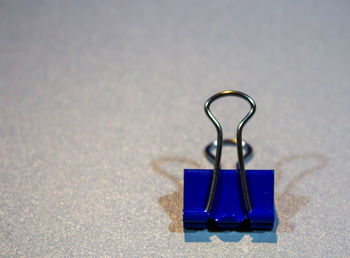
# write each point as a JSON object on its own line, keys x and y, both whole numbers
{"x": 101, "y": 109}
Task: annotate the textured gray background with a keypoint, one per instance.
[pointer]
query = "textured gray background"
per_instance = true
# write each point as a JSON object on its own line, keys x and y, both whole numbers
{"x": 101, "y": 108}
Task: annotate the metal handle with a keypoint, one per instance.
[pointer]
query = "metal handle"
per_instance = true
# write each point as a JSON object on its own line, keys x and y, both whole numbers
{"x": 218, "y": 127}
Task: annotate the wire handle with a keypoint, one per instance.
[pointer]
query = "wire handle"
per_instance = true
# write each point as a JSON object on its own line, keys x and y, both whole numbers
{"x": 248, "y": 149}
{"x": 217, "y": 161}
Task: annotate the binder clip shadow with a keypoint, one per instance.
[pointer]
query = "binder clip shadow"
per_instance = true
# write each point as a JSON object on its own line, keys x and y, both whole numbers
{"x": 229, "y": 199}
{"x": 289, "y": 204}
{"x": 173, "y": 203}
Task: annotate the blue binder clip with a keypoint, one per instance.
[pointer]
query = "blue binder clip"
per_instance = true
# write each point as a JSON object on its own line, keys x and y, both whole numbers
{"x": 229, "y": 199}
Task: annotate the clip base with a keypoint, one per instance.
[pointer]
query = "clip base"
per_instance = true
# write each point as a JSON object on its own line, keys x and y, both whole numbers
{"x": 228, "y": 210}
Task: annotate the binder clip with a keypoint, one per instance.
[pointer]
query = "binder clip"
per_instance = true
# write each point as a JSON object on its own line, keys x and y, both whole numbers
{"x": 229, "y": 198}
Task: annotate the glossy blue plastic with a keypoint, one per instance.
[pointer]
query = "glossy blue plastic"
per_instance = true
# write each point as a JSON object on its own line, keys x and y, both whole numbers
{"x": 228, "y": 209}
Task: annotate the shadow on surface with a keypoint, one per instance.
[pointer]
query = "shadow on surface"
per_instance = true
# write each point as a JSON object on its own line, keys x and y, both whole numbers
{"x": 287, "y": 204}
{"x": 172, "y": 203}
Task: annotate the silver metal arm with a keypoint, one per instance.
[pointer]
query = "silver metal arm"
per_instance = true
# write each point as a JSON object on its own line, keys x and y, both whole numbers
{"x": 219, "y": 143}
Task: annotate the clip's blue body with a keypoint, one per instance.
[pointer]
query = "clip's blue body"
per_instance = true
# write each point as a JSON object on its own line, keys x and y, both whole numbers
{"x": 228, "y": 209}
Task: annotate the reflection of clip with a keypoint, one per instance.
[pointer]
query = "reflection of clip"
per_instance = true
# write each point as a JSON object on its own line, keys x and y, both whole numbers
{"x": 229, "y": 198}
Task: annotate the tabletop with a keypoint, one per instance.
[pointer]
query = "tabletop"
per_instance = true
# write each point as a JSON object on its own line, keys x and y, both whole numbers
{"x": 101, "y": 110}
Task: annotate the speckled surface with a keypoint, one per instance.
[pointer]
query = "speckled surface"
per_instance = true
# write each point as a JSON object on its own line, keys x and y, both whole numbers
{"x": 101, "y": 108}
